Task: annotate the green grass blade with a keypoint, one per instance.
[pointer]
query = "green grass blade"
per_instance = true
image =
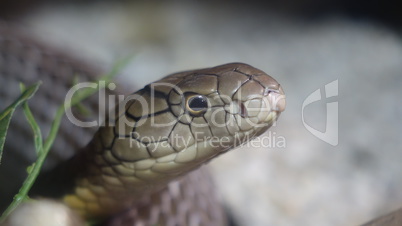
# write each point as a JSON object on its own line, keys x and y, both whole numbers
{"x": 43, "y": 148}
{"x": 6, "y": 114}
{"x": 38, "y": 142}
{"x": 34, "y": 169}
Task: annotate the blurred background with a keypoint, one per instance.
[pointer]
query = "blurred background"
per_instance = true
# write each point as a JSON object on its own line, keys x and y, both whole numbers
{"x": 293, "y": 177}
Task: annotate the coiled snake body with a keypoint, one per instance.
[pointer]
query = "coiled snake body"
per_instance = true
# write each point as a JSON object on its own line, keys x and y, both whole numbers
{"x": 137, "y": 165}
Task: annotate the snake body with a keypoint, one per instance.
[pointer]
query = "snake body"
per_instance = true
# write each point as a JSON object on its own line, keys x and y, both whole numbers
{"x": 142, "y": 165}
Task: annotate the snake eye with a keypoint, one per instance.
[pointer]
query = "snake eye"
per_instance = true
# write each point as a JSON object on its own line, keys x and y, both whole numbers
{"x": 196, "y": 104}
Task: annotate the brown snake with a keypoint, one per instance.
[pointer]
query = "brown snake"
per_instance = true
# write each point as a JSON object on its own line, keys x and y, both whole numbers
{"x": 142, "y": 166}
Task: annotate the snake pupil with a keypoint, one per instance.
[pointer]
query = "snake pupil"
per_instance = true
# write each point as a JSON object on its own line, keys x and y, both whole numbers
{"x": 197, "y": 104}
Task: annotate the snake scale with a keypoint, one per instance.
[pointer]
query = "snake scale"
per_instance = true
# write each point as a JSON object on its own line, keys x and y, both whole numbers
{"x": 142, "y": 167}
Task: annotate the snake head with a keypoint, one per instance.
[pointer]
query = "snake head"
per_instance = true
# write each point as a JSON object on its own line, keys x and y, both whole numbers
{"x": 176, "y": 124}
{"x": 187, "y": 118}
{"x": 224, "y": 106}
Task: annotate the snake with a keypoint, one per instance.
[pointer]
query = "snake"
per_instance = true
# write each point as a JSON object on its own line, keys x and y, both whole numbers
{"x": 144, "y": 164}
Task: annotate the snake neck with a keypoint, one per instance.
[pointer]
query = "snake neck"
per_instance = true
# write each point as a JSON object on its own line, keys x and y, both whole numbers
{"x": 95, "y": 184}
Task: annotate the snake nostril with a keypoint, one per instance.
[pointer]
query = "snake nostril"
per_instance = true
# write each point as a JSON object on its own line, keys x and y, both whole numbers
{"x": 243, "y": 110}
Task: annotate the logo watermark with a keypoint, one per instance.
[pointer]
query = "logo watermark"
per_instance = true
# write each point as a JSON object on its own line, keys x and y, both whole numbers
{"x": 268, "y": 140}
{"x": 236, "y": 107}
{"x": 330, "y": 135}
